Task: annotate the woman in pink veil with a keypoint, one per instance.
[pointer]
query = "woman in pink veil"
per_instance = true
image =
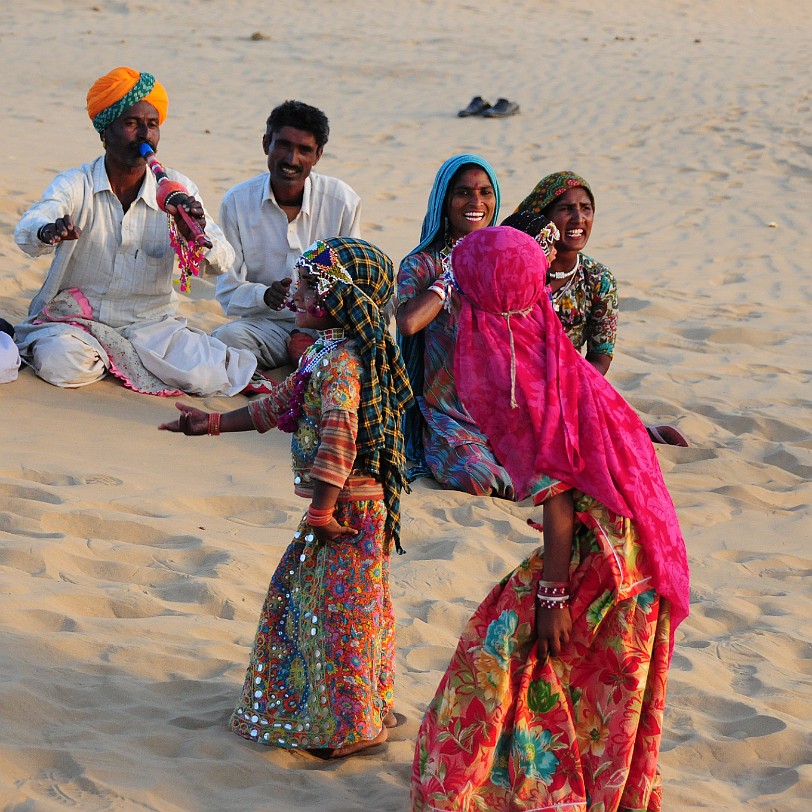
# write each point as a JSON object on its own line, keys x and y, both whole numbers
{"x": 554, "y": 696}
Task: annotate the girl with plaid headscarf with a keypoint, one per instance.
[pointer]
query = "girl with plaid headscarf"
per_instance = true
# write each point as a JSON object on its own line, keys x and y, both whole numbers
{"x": 321, "y": 672}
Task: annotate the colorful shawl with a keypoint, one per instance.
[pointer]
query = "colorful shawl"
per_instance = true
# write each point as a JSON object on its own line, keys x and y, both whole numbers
{"x": 551, "y": 187}
{"x": 433, "y": 231}
{"x": 546, "y": 410}
{"x": 356, "y": 304}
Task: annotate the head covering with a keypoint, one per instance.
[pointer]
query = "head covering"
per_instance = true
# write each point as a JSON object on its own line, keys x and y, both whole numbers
{"x": 539, "y": 226}
{"x": 550, "y": 187}
{"x": 433, "y": 221}
{"x": 117, "y": 91}
{"x": 546, "y": 410}
{"x": 355, "y": 280}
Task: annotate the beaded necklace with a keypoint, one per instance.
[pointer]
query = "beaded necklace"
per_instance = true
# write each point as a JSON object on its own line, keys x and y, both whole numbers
{"x": 327, "y": 341}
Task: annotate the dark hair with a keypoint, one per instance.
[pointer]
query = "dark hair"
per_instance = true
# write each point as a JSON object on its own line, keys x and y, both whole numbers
{"x": 301, "y": 116}
{"x": 534, "y": 225}
{"x": 527, "y": 221}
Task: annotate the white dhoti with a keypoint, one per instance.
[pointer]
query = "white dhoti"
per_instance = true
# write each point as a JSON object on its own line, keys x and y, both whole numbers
{"x": 182, "y": 357}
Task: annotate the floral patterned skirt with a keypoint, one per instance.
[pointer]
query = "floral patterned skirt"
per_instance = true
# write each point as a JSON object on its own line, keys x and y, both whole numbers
{"x": 506, "y": 731}
{"x": 321, "y": 673}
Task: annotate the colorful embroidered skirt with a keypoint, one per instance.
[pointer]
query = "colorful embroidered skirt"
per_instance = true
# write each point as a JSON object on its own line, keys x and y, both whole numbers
{"x": 321, "y": 673}
{"x": 574, "y": 733}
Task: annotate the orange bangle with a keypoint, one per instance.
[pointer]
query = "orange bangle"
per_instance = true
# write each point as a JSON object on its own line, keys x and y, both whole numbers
{"x": 214, "y": 424}
{"x": 319, "y": 518}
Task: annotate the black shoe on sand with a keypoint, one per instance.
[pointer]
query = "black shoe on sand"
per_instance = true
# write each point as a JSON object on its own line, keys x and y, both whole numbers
{"x": 476, "y": 107}
{"x": 502, "y": 109}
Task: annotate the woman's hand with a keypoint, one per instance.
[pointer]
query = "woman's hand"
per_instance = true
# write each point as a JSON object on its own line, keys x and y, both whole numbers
{"x": 191, "y": 421}
{"x": 553, "y": 627}
{"x": 330, "y": 532}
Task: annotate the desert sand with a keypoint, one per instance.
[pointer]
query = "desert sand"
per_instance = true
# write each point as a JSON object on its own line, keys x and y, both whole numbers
{"x": 133, "y": 563}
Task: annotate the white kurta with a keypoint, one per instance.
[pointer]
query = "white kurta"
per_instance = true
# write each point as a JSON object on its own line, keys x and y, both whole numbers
{"x": 267, "y": 247}
{"x": 123, "y": 263}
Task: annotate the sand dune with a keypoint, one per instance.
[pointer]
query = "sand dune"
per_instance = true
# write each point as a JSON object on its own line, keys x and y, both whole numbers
{"x": 133, "y": 563}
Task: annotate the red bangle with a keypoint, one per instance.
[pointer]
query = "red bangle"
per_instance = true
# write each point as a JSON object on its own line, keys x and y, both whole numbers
{"x": 319, "y": 518}
{"x": 214, "y": 424}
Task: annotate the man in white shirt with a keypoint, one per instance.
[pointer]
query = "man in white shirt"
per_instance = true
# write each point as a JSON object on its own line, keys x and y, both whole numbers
{"x": 113, "y": 262}
{"x": 270, "y": 220}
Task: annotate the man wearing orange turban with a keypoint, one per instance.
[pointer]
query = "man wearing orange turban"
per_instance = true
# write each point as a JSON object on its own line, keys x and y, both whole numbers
{"x": 119, "y": 90}
{"x": 107, "y": 303}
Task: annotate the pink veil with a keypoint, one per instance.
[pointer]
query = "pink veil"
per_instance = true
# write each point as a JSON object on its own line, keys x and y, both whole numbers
{"x": 546, "y": 410}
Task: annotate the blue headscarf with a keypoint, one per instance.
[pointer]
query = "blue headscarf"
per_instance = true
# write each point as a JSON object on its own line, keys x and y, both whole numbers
{"x": 433, "y": 221}
{"x": 412, "y": 347}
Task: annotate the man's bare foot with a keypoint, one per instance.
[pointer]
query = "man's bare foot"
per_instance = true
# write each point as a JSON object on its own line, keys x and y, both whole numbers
{"x": 358, "y": 747}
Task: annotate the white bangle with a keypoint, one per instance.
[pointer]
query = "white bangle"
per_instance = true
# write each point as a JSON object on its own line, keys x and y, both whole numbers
{"x": 439, "y": 289}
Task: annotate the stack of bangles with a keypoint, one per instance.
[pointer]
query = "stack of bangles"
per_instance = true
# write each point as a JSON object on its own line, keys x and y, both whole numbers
{"x": 214, "y": 424}
{"x": 553, "y": 594}
{"x": 317, "y": 517}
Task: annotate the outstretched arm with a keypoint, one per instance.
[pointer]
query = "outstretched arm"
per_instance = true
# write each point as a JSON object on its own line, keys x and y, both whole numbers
{"x": 194, "y": 422}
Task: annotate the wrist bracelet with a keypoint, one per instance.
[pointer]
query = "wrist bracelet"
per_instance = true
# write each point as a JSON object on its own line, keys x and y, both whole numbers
{"x": 39, "y": 233}
{"x": 318, "y": 517}
{"x": 214, "y": 424}
{"x": 553, "y": 589}
{"x": 553, "y": 603}
{"x": 439, "y": 289}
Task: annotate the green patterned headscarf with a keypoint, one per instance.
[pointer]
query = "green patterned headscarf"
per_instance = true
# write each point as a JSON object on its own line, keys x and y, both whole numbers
{"x": 551, "y": 187}
{"x": 355, "y": 280}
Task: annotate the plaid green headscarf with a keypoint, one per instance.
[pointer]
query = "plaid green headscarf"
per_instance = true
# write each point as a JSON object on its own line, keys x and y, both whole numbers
{"x": 385, "y": 392}
{"x": 549, "y": 188}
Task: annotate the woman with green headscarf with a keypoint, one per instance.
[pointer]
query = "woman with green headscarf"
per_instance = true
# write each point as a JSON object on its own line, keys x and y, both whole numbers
{"x": 584, "y": 291}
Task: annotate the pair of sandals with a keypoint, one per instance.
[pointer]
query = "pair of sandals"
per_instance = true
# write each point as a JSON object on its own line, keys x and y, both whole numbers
{"x": 480, "y": 107}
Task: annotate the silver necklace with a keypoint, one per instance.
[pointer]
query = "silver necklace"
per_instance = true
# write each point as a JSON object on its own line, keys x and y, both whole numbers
{"x": 566, "y": 274}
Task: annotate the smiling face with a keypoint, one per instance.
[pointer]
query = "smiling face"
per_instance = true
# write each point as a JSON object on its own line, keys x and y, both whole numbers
{"x": 471, "y": 201}
{"x": 292, "y": 153}
{"x": 132, "y": 128}
{"x": 572, "y": 213}
{"x": 306, "y": 303}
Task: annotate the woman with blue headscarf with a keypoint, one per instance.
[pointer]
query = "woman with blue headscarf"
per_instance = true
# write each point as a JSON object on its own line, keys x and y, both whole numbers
{"x": 442, "y": 439}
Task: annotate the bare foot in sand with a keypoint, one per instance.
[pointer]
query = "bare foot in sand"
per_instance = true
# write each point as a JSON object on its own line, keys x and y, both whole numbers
{"x": 358, "y": 747}
{"x": 391, "y": 720}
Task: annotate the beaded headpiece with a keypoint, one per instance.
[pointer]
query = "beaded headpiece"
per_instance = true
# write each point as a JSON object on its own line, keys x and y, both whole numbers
{"x": 324, "y": 267}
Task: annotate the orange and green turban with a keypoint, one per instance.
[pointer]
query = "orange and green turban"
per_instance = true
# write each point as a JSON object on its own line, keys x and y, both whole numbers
{"x": 117, "y": 91}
